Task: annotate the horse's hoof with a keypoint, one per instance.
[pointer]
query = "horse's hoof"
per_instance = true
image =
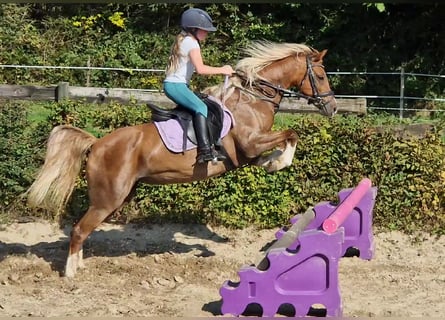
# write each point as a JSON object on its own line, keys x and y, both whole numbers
{"x": 69, "y": 274}
{"x": 72, "y": 263}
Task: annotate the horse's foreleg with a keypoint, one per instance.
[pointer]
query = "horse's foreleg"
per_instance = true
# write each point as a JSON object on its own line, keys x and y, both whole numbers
{"x": 278, "y": 159}
{"x": 259, "y": 143}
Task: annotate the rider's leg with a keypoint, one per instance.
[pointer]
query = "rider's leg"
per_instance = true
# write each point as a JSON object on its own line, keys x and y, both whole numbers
{"x": 205, "y": 151}
{"x": 182, "y": 95}
{"x": 202, "y": 137}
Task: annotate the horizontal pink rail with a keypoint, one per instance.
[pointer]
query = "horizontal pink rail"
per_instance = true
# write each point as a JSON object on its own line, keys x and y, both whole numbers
{"x": 335, "y": 220}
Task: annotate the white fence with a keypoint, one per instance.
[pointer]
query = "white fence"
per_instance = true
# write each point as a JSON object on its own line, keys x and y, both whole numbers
{"x": 402, "y": 97}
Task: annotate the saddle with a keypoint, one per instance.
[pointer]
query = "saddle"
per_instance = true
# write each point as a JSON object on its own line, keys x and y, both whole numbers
{"x": 215, "y": 118}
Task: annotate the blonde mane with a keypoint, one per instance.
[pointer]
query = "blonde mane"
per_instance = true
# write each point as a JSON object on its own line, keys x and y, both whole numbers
{"x": 263, "y": 53}
{"x": 259, "y": 54}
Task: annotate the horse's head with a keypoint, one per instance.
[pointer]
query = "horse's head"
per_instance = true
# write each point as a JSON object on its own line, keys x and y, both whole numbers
{"x": 272, "y": 68}
{"x": 314, "y": 84}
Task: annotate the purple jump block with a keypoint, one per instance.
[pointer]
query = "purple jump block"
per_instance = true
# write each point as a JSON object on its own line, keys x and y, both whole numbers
{"x": 358, "y": 224}
{"x": 301, "y": 278}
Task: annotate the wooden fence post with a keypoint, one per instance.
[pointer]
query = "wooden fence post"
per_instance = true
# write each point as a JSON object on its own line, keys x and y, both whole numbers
{"x": 62, "y": 91}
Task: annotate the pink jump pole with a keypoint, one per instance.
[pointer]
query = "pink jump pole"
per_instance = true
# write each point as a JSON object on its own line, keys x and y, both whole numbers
{"x": 340, "y": 214}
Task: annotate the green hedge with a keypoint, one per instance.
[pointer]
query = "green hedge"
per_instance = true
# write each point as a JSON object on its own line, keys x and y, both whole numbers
{"x": 20, "y": 152}
{"x": 332, "y": 154}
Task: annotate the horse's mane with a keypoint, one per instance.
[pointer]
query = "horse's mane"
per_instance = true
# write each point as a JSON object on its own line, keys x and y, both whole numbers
{"x": 260, "y": 54}
{"x": 263, "y": 53}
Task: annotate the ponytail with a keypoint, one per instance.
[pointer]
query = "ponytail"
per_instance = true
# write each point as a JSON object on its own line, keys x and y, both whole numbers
{"x": 175, "y": 54}
{"x": 173, "y": 60}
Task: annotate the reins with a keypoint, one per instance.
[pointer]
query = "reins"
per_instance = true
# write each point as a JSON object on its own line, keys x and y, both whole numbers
{"x": 262, "y": 95}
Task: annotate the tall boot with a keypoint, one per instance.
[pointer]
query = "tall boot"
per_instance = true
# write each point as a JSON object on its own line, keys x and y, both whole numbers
{"x": 205, "y": 150}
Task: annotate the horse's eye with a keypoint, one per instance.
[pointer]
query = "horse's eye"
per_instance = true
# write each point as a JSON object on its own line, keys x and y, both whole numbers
{"x": 320, "y": 77}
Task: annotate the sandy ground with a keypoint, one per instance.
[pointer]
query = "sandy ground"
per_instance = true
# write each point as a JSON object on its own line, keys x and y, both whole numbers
{"x": 177, "y": 270}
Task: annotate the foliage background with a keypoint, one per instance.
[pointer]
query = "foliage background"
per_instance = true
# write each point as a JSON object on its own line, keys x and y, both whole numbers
{"x": 332, "y": 154}
{"x": 359, "y": 37}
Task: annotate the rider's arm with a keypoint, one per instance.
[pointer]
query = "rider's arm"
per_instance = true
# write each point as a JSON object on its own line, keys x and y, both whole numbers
{"x": 201, "y": 68}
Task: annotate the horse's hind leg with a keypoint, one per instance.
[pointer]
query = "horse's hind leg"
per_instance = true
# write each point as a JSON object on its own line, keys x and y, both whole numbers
{"x": 81, "y": 230}
{"x": 103, "y": 203}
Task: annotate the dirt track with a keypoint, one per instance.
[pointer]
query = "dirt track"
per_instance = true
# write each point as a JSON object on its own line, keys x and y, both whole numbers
{"x": 177, "y": 270}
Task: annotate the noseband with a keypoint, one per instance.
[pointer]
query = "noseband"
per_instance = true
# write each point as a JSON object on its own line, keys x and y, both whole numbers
{"x": 316, "y": 99}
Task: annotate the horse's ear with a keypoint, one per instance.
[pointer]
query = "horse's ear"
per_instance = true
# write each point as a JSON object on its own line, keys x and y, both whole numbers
{"x": 318, "y": 56}
{"x": 322, "y": 54}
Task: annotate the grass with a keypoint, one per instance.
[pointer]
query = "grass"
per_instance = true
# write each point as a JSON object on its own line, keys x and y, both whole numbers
{"x": 38, "y": 112}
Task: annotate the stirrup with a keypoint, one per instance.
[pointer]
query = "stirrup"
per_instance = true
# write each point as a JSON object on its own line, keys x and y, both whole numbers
{"x": 218, "y": 156}
{"x": 210, "y": 154}
{"x": 205, "y": 155}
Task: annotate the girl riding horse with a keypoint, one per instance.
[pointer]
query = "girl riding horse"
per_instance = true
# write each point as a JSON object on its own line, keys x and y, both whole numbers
{"x": 185, "y": 58}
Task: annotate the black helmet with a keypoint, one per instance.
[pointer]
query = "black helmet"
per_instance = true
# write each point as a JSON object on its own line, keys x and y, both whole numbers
{"x": 197, "y": 18}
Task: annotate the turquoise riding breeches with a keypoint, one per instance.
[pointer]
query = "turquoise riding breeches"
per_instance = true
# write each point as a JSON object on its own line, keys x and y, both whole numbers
{"x": 181, "y": 94}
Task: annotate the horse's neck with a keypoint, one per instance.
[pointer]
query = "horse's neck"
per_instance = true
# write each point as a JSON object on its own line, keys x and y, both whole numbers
{"x": 247, "y": 109}
{"x": 286, "y": 73}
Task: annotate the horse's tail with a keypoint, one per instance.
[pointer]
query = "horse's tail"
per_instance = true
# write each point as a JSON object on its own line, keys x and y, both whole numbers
{"x": 66, "y": 150}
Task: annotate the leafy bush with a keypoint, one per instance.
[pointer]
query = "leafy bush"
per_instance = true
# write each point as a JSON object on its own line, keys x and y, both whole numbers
{"x": 20, "y": 155}
{"x": 332, "y": 154}
{"x": 114, "y": 115}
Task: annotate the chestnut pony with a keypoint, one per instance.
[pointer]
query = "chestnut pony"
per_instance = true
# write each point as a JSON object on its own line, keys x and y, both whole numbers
{"x": 128, "y": 155}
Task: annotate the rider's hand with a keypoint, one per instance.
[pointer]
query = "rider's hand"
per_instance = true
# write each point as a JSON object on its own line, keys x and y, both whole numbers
{"x": 227, "y": 70}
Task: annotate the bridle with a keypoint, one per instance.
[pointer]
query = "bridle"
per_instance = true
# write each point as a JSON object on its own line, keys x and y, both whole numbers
{"x": 316, "y": 99}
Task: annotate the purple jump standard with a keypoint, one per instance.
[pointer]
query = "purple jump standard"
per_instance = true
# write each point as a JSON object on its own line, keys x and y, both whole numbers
{"x": 301, "y": 267}
{"x": 302, "y": 279}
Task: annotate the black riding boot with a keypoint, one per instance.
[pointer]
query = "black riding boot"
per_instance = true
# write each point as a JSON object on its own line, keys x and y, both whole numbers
{"x": 205, "y": 150}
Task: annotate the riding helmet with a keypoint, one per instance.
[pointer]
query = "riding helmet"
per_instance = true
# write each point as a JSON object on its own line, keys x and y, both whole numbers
{"x": 197, "y": 18}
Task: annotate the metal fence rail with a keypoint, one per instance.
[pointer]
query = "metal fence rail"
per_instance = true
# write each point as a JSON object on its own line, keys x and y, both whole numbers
{"x": 401, "y": 97}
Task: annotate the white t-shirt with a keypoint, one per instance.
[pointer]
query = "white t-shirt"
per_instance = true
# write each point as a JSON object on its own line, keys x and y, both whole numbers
{"x": 186, "y": 68}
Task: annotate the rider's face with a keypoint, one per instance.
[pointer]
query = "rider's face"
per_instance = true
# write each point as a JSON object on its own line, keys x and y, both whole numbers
{"x": 201, "y": 34}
